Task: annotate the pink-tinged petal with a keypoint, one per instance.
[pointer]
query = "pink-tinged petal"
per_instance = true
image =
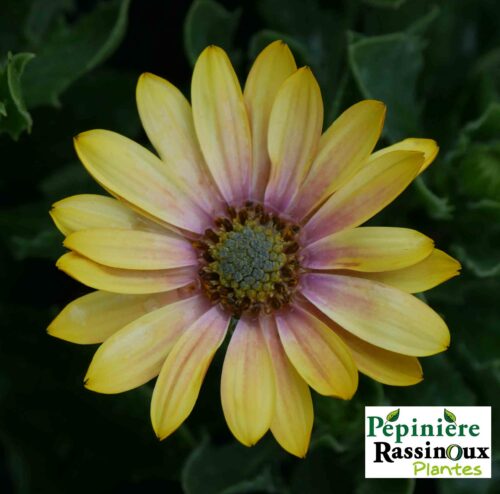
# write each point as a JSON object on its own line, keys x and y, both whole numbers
{"x": 168, "y": 121}
{"x": 377, "y": 313}
{"x": 369, "y": 191}
{"x": 273, "y": 65}
{"x": 427, "y": 146}
{"x": 135, "y": 174}
{"x": 221, "y": 123}
{"x": 118, "y": 280}
{"x": 89, "y": 211}
{"x": 432, "y": 271}
{"x": 132, "y": 249}
{"x": 368, "y": 249}
{"x": 317, "y": 353}
{"x": 182, "y": 374}
{"x": 135, "y": 354}
{"x": 247, "y": 384}
{"x": 294, "y": 130}
{"x": 343, "y": 150}
{"x": 293, "y": 415}
{"x": 96, "y": 316}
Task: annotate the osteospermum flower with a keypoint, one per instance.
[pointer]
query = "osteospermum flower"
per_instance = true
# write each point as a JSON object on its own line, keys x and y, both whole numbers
{"x": 249, "y": 213}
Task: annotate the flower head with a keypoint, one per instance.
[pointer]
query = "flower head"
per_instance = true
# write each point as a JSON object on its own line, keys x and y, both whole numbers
{"x": 249, "y": 213}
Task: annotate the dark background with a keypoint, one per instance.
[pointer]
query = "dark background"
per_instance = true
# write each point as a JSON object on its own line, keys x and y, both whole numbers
{"x": 437, "y": 67}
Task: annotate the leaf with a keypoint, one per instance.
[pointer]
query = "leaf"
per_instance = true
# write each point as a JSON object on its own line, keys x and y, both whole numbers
{"x": 72, "y": 50}
{"x": 438, "y": 208}
{"x": 230, "y": 469}
{"x": 393, "y": 416}
{"x": 386, "y": 68}
{"x": 449, "y": 416}
{"x": 14, "y": 117}
{"x": 209, "y": 23}
{"x": 385, "y": 4}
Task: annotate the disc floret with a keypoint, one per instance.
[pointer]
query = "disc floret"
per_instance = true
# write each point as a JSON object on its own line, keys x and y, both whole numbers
{"x": 249, "y": 260}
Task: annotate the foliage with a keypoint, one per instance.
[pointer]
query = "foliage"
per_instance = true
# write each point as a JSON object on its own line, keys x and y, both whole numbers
{"x": 67, "y": 66}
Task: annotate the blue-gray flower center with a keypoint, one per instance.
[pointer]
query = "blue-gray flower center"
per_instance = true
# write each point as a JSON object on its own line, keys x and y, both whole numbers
{"x": 249, "y": 262}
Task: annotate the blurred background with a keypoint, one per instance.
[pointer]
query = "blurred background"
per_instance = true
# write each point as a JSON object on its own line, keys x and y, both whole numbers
{"x": 67, "y": 66}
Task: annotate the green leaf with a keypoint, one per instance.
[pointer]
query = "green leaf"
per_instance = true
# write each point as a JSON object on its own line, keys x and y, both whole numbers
{"x": 449, "y": 416}
{"x": 72, "y": 50}
{"x": 481, "y": 260}
{"x": 230, "y": 469}
{"x": 386, "y": 68}
{"x": 480, "y": 171}
{"x": 385, "y": 4}
{"x": 209, "y": 23}
{"x": 14, "y": 117}
{"x": 437, "y": 207}
{"x": 393, "y": 416}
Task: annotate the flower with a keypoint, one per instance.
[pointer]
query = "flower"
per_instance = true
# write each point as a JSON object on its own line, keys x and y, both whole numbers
{"x": 250, "y": 218}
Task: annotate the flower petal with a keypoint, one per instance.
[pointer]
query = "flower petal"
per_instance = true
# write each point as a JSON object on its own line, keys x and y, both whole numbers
{"x": 378, "y": 313}
{"x": 294, "y": 130}
{"x": 96, "y": 316}
{"x": 273, "y": 65}
{"x": 247, "y": 385}
{"x": 168, "y": 121}
{"x": 369, "y": 191}
{"x": 135, "y": 354}
{"x": 379, "y": 364}
{"x": 382, "y": 365}
{"x": 293, "y": 415}
{"x": 318, "y": 354}
{"x": 432, "y": 271}
{"x": 221, "y": 123}
{"x": 135, "y": 174}
{"x": 123, "y": 280}
{"x": 88, "y": 211}
{"x": 343, "y": 150}
{"x": 427, "y": 146}
{"x": 368, "y": 248}
{"x": 132, "y": 249}
{"x": 182, "y": 374}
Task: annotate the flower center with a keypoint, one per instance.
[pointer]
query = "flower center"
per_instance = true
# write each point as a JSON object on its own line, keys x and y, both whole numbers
{"x": 248, "y": 262}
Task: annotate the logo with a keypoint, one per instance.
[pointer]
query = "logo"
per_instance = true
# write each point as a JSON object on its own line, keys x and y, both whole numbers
{"x": 428, "y": 442}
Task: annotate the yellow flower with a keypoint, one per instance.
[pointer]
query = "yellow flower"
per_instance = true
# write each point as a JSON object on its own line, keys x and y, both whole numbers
{"x": 249, "y": 212}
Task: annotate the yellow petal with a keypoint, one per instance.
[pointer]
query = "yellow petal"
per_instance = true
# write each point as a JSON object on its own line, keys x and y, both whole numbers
{"x": 427, "y": 146}
{"x": 135, "y": 174}
{"x": 221, "y": 123}
{"x": 377, "y": 313}
{"x": 273, "y": 65}
{"x": 368, "y": 249}
{"x": 88, "y": 211}
{"x": 318, "y": 354}
{"x": 362, "y": 197}
{"x": 182, "y": 374}
{"x": 432, "y": 271}
{"x": 294, "y": 130}
{"x": 293, "y": 415}
{"x": 247, "y": 384}
{"x": 343, "y": 150}
{"x": 382, "y": 365}
{"x": 123, "y": 280}
{"x": 379, "y": 364}
{"x": 132, "y": 249}
{"x": 96, "y": 316}
{"x": 134, "y": 355}
{"x": 168, "y": 121}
